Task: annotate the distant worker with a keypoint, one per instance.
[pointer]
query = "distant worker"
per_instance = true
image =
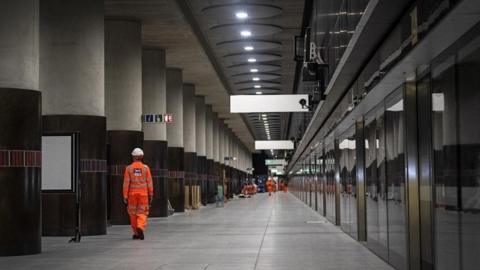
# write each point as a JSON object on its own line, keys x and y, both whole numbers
{"x": 138, "y": 193}
{"x": 270, "y": 186}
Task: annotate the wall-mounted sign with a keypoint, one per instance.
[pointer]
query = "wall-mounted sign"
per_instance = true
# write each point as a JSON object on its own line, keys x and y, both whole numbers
{"x": 275, "y": 162}
{"x": 168, "y": 118}
{"x": 268, "y": 103}
{"x": 273, "y": 145}
{"x": 157, "y": 118}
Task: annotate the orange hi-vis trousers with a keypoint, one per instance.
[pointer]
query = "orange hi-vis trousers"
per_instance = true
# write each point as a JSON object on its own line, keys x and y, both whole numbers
{"x": 138, "y": 211}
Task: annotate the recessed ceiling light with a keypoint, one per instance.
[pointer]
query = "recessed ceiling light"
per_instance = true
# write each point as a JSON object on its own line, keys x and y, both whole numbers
{"x": 264, "y": 115}
{"x": 258, "y": 93}
{"x": 253, "y": 70}
{"x": 248, "y": 48}
{"x": 245, "y": 33}
{"x": 252, "y": 60}
{"x": 241, "y": 15}
{"x": 256, "y": 79}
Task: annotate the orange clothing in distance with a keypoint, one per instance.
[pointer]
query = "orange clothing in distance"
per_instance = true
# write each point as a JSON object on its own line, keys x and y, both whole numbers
{"x": 137, "y": 188}
{"x": 269, "y": 186}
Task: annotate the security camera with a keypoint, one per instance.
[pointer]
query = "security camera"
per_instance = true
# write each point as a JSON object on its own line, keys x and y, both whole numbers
{"x": 302, "y": 102}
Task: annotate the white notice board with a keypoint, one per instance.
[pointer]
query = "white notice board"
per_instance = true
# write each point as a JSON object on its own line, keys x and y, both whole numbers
{"x": 57, "y": 163}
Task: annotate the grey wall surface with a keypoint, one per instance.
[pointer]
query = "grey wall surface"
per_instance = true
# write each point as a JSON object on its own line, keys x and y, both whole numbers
{"x": 189, "y": 119}
{"x": 200, "y": 128}
{"x": 19, "y": 44}
{"x": 175, "y": 107}
{"x": 209, "y": 132}
{"x": 123, "y": 74}
{"x": 154, "y": 93}
{"x": 72, "y": 57}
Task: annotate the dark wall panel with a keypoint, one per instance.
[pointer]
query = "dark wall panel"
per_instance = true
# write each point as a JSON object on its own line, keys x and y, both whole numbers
{"x": 59, "y": 210}
{"x": 190, "y": 167}
{"x": 202, "y": 171}
{"x": 20, "y": 195}
{"x": 176, "y": 181}
{"x": 156, "y": 155}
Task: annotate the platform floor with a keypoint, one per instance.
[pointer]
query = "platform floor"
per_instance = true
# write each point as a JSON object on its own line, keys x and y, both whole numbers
{"x": 261, "y": 233}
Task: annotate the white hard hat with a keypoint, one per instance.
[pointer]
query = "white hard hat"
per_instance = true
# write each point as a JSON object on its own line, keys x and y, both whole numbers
{"x": 137, "y": 152}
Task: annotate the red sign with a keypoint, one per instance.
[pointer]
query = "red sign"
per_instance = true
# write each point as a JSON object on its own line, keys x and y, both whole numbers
{"x": 167, "y": 118}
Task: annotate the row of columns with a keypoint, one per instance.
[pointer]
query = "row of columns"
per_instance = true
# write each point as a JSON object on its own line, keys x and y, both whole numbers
{"x": 65, "y": 68}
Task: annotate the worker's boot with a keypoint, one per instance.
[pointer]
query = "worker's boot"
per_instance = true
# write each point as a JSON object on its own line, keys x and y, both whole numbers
{"x": 140, "y": 234}
{"x": 135, "y": 237}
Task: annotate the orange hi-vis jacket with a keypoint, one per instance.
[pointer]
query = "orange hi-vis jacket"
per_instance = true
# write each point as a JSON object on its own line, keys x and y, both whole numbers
{"x": 270, "y": 185}
{"x": 137, "y": 180}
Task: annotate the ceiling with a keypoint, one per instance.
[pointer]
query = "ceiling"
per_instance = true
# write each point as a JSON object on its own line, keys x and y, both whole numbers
{"x": 203, "y": 38}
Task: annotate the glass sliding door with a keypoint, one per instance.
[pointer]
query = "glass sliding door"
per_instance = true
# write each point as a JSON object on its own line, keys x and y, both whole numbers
{"x": 348, "y": 198}
{"x": 344, "y": 184}
{"x": 395, "y": 175}
{"x": 375, "y": 197}
{"x": 468, "y": 94}
{"x": 456, "y": 151}
{"x": 381, "y": 180}
{"x": 330, "y": 180}
{"x": 321, "y": 183}
{"x": 445, "y": 158}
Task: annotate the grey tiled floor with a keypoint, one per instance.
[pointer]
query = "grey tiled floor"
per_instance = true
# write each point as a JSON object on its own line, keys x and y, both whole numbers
{"x": 257, "y": 233}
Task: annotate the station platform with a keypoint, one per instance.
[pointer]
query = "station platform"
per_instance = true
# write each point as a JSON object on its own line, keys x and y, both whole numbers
{"x": 262, "y": 233}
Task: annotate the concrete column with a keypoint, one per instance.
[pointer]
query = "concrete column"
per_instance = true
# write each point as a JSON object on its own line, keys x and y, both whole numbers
{"x": 237, "y": 153}
{"x": 189, "y": 141}
{"x": 215, "y": 146}
{"x": 176, "y": 183}
{"x": 154, "y": 101}
{"x": 123, "y": 104}
{"x": 175, "y": 107}
{"x": 200, "y": 126}
{"x": 215, "y": 138}
{"x": 72, "y": 76}
{"x": 200, "y": 137}
{"x": 234, "y": 151}
{"x": 223, "y": 164}
{"x": 189, "y": 119}
{"x": 227, "y": 142}
{"x": 20, "y": 119}
{"x": 154, "y": 94}
{"x": 221, "y": 142}
{"x": 209, "y": 132}
{"x": 211, "y": 185}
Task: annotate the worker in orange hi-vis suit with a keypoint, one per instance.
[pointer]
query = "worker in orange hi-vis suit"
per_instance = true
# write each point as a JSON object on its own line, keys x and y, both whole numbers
{"x": 269, "y": 185}
{"x": 138, "y": 193}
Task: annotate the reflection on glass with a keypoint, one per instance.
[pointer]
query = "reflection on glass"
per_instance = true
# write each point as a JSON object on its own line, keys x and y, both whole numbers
{"x": 445, "y": 169}
{"x": 320, "y": 184}
{"x": 348, "y": 201}
{"x": 395, "y": 172}
{"x": 330, "y": 177}
{"x": 456, "y": 146}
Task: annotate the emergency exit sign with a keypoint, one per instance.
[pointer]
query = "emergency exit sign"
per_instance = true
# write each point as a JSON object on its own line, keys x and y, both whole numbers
{"x": 157, "y": 118}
